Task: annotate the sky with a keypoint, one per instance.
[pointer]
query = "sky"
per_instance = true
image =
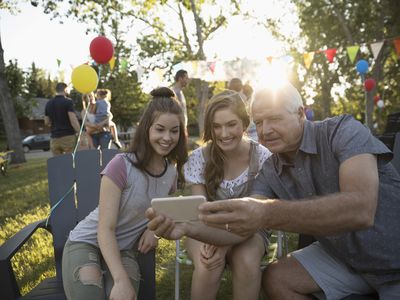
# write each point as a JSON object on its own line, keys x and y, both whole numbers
{"x": 30, "y": 36}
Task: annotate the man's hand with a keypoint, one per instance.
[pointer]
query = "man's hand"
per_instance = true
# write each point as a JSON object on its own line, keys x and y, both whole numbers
{"x": 163, "y": 226}
{"x": 147, "y": 242}
{"x": 241, "y": 216}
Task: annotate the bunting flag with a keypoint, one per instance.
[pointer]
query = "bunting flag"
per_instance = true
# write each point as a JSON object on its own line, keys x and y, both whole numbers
{"x": 244, "y": 68}
{"x": 376, "y": 48}
{"x": 58, "y": 62}
{"x": 211, "y": 66}
{"x": 393, "y": 55}
{"x": 330, "y": 54}
{"x": 308, "y": 58}
{"x": 112, "y": 63}
{"x": 396, "y": 43}
{"x": 352, "y": 52}
{"x": 195, "y": 66}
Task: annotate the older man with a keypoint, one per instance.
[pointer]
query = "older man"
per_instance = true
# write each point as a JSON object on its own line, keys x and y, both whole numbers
{"x": 334, "y": 180}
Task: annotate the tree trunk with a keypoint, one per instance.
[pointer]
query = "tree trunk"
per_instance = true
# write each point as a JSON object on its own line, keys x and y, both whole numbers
{"x": 9, "y": 116}
{"x": 200, "y": 52}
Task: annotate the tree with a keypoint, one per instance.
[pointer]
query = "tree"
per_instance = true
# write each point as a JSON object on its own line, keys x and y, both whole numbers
{"x": 168, "y": 42}
{"x": 341, "y": 24}
{"x": 112, "y": 19}
{"x": 179, "y": 44}
{"x": 9, "y": 116}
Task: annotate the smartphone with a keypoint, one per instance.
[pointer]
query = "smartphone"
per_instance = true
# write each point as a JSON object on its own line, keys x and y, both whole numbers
{"x": 180, "y": 209}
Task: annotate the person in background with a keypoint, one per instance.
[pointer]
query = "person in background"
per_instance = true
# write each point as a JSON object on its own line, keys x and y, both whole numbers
{"x": 235, "y": 84}
{"x": 88, "y": 116}
{"x": 105, "y": 129}
{"x": 251, "y": 130}
{"x": 181, "y": 81}
{"x": 223, "y": 168}
{"x": 247, "y": 91}
{"x": 60, "y": 116}
{"x": 99, "y": 258}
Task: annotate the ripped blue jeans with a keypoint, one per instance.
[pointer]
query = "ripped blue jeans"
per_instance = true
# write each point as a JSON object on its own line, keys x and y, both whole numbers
{"x": 86, "y": 275}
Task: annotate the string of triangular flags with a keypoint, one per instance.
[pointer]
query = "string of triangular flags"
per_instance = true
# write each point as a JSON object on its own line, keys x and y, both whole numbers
{"x": 352, "y": 51}
{"x": 243, "y": 68}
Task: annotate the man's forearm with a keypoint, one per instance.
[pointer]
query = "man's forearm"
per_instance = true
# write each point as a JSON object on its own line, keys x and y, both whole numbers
{"x": 74, "y": 121}
{"x": 331, "y": 214}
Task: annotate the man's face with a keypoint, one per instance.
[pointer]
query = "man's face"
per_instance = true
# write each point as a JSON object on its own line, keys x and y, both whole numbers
{"x": 184, "y": 80}
{"x": 278, "y": 129}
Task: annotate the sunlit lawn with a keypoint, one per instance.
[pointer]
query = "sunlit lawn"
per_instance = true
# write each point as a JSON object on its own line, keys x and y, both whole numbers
{"x": 24, "y": 199}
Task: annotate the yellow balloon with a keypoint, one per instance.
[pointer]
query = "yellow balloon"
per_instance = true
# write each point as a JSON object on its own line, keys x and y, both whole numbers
{"x": 85, "y": 79}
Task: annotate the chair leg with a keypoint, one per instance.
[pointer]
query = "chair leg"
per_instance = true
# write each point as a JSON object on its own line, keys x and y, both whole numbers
{"x": 279, "y": 244}
{"x": 177, "y": 251}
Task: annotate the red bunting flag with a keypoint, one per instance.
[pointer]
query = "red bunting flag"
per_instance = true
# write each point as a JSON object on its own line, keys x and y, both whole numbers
{"x": 396, "y": 43}
{"x": 330, "y": 54}
{"x": 211, "y": 66}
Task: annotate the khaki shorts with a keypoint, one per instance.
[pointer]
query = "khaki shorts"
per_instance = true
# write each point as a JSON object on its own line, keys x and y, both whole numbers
{"x": 61, "y": 145}
{"x": 335, "y": 279}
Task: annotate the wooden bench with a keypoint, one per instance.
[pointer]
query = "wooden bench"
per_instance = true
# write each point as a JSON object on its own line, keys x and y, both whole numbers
{"x": 85, "y": 180}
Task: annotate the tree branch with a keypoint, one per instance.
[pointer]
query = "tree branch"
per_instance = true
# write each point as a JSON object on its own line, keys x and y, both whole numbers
{"x": 342, "y": 22}
{"x": 200, "y": 39}
{"x": 184, "y": 29}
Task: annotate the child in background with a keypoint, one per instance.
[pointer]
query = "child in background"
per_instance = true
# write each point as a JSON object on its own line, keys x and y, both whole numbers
{"x": 99, "y": 116}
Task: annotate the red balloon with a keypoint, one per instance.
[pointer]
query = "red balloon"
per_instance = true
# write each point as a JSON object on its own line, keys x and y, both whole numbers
{"x": 101, "y": 49}
{"x": 369, "y": 84}
{"x": 376, "y": 98}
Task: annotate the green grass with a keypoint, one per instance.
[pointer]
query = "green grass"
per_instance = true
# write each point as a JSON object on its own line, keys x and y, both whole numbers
{"x": 24, "y": 199}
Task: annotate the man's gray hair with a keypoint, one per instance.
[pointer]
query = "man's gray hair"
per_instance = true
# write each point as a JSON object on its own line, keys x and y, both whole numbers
{"x": 287, "y": 94}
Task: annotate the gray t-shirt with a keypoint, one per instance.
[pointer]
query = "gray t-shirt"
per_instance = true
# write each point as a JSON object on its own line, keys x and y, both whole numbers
{"x": 374, "y": 252}
{"x": 138, "y": 188}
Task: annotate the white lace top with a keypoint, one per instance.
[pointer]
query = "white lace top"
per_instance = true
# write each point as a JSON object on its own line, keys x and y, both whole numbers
{"x": 194, "y": 168}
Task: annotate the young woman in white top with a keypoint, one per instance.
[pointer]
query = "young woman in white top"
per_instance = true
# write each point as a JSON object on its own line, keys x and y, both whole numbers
{"x": 225, "y": 168}
{"x": 99, "y": 258}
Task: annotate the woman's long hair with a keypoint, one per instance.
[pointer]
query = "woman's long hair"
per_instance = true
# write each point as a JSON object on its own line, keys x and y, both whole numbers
{"x": 214, "y": 169}
{"x": 163, "y": 101}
